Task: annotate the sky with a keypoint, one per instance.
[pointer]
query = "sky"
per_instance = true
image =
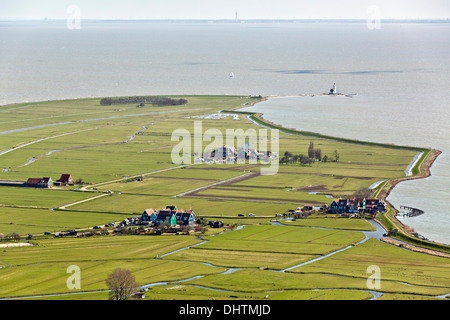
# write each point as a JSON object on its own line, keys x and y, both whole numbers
{"x": 225, "y": 9}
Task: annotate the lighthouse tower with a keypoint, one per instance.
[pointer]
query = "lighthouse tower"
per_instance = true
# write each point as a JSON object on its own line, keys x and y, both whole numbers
{"x": 333, "y": 91}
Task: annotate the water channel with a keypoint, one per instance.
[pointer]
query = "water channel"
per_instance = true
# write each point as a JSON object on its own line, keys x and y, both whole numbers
{"x": 377, "y": 234}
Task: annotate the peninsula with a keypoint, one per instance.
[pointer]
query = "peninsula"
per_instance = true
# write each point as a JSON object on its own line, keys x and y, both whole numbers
{"x": 199, "y": 231}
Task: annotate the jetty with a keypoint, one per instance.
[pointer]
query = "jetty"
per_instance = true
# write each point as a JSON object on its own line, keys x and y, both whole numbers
{"x": 411, "y": 212}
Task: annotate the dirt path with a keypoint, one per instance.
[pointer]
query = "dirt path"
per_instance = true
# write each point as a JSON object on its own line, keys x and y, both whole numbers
{"x": 40, "y": 140}
{"x": 18, "y": 244}
{"x": 87, "y": 188}
{"x": 81, "y": 201}
{"x": 245, "y": 176}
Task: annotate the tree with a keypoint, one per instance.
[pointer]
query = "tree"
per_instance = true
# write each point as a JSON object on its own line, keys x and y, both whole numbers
{"x": 284, "y": 160}
{"x": 325, "y": 158}
{"x": 311, "y": 149}
{"x": 106, "y": 102}
{"x": 336, "y": 155}
{"x": 13, "y": 237}
{"x": 306, "y": 160}
{"x": 122, "y": 284}
{"x": 318, "y": 154}
{"x": 79, "y": 181}
{"x": 363, "y": 193}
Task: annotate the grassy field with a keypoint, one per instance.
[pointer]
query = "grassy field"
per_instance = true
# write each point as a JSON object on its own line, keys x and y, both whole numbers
{"x": 425, "y": 270}
{"x": 108, "y": 147}
{"x": 38, "y": 198}
{"x": 273, "y": 247}
{"x": 26, "y": 221}
{"x": 42, "y": 269}
{"x": 253, "y": 280}
{"x": 331, "y": 222}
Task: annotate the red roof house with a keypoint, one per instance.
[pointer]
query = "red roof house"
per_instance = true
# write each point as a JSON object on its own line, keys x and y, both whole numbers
{"x": 66, "y": 179}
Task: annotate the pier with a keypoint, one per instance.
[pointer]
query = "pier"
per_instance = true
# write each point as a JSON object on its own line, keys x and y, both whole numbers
{"x": 411, "y": 212}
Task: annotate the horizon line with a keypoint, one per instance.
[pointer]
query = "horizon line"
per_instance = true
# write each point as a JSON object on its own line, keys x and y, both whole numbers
{"x": 233, "y": 20}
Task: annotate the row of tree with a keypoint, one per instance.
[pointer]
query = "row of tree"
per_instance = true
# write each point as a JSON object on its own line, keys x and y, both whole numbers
{"x": 156, "y": 101}
{"x": 10, "y": 237}
{"x": 313, "y": 155}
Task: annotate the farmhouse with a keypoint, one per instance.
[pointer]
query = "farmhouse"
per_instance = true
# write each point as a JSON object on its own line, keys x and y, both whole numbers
{"x": 185, "y": 218}
{"x": 148, "y": 215}
{"x": 356, "y": 205}
{"x": 45, "y": 182}
{"x": 170, "y": 215}
{"x": 165, "y": 216}
{"x": 65, "y": 180}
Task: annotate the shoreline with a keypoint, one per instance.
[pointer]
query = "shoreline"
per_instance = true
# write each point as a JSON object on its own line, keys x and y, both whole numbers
{"x": 424, "y": 172}
{"x": 425, "y": 164}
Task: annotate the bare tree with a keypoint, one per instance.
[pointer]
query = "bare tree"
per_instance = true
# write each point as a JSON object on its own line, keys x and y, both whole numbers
{"x": 122, "y": 284}
{"x": 336, "y": 155}
{"x": 13, "y": 237}
{"x": 363, "y": 193}
{"x": 318, "y": 154}
{"x": 311, "y": 149}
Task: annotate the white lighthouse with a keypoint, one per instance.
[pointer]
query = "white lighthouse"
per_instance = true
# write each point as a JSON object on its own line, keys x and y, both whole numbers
{"x": 333, "y": 91}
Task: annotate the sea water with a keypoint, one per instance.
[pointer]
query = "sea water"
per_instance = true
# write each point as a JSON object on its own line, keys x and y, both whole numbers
{"x": 400, "y": 74}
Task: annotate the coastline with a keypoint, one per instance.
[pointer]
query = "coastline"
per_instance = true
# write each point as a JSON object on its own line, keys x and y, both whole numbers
{"x": 424, "y": 167}
{"x": 424, "y": 172}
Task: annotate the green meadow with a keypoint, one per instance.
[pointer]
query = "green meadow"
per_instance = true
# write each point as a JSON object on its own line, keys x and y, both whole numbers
{"x": 38, "y": 198}
{"x": 42, "y": 269}
{"x": 331, "y": 222}
{"x": 26, "y": 221}
{"x": 125, "y": 154}
{"x": 273, "y": 247}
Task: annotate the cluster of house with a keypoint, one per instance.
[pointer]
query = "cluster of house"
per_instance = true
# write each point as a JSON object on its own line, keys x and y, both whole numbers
{"x": 169, "y": 215}
{"x": 357, "y": 205}
{"x": 47, "y": 182}
{"x": 231, "y": 154}
{"x": 340, "y": 206}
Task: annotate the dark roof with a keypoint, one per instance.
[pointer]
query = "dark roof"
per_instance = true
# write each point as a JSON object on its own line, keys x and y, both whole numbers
{"x": 163, "y": 215}
{"x": 64, "y": 178}
{"x": 183, "y": 216}
{"x": 33, "y": 180}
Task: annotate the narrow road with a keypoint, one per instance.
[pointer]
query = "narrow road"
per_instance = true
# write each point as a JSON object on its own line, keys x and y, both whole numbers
{"x": 40, "y": 140}
{"x": 86, "y": 188}
{"x": 215, "y": 184}
{"x": 81, "y": 201}
{"x": 94, "y": 119}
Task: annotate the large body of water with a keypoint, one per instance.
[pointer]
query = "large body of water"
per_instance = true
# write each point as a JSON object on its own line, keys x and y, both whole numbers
{"x": 401, "y": 74}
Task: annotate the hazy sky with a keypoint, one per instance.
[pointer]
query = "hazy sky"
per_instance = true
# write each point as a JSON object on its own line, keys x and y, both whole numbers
{"x": 224, "y": 9}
